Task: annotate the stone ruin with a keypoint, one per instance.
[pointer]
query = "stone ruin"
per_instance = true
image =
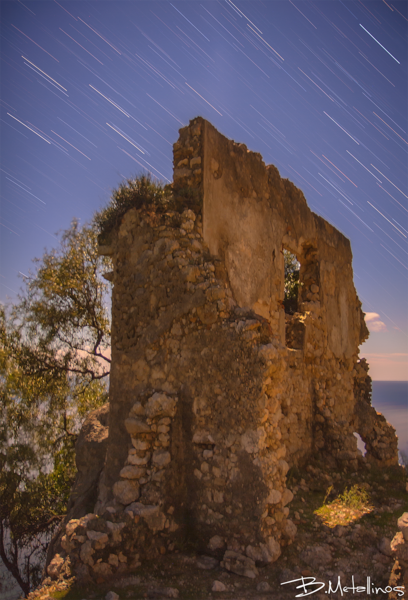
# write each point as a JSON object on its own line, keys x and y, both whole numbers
{"x": 215, "y": 391}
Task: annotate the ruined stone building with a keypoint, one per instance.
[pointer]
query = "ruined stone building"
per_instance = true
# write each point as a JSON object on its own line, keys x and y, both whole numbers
{"x": 215, "y": 391}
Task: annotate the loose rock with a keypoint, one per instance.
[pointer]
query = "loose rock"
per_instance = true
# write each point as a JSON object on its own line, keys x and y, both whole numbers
{"x": 218, "y": 586}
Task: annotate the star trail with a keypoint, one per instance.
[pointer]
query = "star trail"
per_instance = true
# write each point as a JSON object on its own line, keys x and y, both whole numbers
{"x": 92, "y": 92}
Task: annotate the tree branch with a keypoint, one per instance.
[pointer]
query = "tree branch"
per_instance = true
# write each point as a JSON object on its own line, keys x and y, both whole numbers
{"x": 12, "y": 567}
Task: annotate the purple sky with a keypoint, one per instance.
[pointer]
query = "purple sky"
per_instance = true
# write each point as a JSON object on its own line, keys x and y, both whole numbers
{"x": 92, "y": 92}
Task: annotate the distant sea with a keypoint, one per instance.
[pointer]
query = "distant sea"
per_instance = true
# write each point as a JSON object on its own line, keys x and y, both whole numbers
{"x": 391, "y": 399}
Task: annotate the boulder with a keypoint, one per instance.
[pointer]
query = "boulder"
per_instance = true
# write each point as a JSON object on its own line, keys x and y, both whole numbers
{"x": 290, "y": 529}
{"x": 218, "y": 586}
{"x": 216, "y": 543}
{"x": 55, "y": 567}
{"x": 239, "y": 564}
{"x": 126, "y": 491}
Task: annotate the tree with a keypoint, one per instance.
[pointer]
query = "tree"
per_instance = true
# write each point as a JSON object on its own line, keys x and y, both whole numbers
{"x": 54, "y": 365}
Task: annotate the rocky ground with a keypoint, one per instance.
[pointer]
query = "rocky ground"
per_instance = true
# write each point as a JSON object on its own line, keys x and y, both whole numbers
{"x": 343, "y": 536}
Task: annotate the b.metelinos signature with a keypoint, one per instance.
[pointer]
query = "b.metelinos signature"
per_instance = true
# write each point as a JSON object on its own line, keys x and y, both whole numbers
{"x": 310, "y": 585}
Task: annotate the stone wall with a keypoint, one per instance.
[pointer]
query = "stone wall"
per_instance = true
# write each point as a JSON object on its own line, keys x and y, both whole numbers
{"x": 214, "y": 394}
{"x": 191, "y": 379}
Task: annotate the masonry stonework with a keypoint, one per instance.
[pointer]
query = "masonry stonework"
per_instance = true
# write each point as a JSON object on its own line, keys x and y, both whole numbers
{"x": 215, "y": 393}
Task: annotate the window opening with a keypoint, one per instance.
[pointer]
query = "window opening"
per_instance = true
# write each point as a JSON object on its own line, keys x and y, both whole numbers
{"x": 292, "y": 283}
{"x": 360, "y": 443}
{"x": 294, "y": 321}
{"x": 302, "y": 286}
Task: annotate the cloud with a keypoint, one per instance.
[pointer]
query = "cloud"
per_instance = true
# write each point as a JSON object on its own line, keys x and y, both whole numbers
{"x": 371, "y": 317}
{"x": 374, "y": 322}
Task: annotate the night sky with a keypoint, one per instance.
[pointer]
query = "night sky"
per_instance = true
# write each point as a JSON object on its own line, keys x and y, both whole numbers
{"x": 94, "y": 92}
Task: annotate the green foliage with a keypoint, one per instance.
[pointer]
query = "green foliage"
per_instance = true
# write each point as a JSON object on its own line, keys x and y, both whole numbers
{"x": 352, "y": 504}
{"x": 30, "y": 510}
{"x": 54, "y": 364}
{"x": 292, "y": 284}
{"x": 356, "y": 497}
{"x": 328, "y": 492}
{"x": 141, "y": 192}
{"x": 134, "y": 193}
{"x": 63, "y": 307}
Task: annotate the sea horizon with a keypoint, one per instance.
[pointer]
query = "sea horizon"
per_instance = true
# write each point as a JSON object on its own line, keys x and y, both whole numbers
{"x": 391, "y": 399}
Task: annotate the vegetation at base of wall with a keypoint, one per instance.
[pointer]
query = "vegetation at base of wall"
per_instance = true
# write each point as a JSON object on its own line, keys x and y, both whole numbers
{"x": 352, "y": 504}
{"x": 141, "y": 192}
{"x": 54, "y": 366}
{"x": 355, "y": 497}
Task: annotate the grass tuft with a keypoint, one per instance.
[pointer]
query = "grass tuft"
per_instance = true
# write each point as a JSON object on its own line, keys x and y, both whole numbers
{"x": 356, "y": 497}
{"x": 349, "y": 506}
